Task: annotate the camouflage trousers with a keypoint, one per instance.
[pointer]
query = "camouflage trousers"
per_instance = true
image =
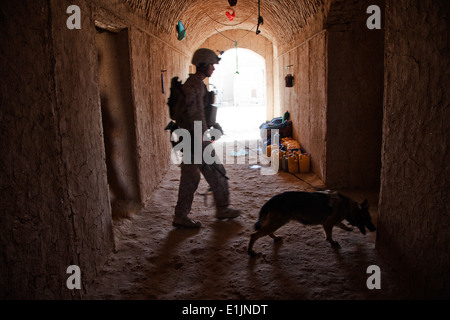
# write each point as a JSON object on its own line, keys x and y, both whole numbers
{"x": 214, "y": 174}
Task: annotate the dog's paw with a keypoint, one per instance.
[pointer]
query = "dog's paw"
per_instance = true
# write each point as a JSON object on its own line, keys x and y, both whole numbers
{"x": 278, "y": 239}
{"x": 335, "y": 245}
{"x": 252, "y": 253}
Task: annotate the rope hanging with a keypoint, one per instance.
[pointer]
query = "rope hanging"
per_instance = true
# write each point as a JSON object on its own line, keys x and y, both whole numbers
{"x": 232, "y": 40}
{"x": 236, "y": 45}
{"x": 260, "y": 19}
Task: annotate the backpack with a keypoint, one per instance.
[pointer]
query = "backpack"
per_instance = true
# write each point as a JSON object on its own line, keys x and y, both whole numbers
{"x": 176, "y": 97}
{"x": 177, "y": 100}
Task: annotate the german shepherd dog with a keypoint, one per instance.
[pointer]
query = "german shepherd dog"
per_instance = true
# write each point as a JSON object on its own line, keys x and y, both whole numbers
{"x": 311, "y": 208}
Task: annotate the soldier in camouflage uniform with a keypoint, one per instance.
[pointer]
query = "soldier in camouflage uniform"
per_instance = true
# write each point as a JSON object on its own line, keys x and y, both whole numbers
{"x": 196, "y": 98}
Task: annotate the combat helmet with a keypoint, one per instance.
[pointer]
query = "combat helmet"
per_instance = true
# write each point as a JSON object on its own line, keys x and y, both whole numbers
{"x": 204, "y": 56}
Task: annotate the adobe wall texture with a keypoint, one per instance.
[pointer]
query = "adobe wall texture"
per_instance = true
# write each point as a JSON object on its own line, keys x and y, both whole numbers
{"x": 150, "y": 52}
{"x": 413, "y": 210}
{"x": 55, "y": 206}
{"x": 83, "y": 153}
{"x": 306, "y": 100}
{"x": 55, "y": 209}
{"x": 336, "y": 101}
{"x": 55, "y": 202}
{"x": 355, "y": 96}
{"x": 118, "y": 118}
{"x": 28, "y": 120}
{"x": 149, "y": 56}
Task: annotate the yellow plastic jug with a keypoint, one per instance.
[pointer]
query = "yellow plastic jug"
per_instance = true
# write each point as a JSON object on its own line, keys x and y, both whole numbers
{"x": 293, "y": 164}
{"x": 303, "y": 161}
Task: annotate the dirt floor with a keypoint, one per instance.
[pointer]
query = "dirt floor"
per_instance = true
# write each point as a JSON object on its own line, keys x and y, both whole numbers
{"x": 153, "y": 260}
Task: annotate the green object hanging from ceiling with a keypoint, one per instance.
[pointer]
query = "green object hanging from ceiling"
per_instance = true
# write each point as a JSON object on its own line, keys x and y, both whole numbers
{"x": 181, "y": 30}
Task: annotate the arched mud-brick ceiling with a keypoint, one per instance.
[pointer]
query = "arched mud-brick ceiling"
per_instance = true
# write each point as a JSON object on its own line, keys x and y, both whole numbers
{"x": 283, "y": 19}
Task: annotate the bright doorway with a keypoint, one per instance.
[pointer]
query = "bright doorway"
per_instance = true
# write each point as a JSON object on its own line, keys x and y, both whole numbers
{"x": 239, "y": 81}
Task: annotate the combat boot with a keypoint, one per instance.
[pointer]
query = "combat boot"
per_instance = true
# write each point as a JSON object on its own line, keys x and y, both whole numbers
{"x": 227, "y": 213}
{"x": 183, "y": 221}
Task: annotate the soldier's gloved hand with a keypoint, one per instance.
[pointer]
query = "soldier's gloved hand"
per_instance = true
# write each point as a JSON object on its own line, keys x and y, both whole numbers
{"x": 218, "y": 127}
{"x": 216, "y": 132}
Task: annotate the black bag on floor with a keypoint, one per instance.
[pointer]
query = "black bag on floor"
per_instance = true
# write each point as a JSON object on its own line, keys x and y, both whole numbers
{"x": 284, "y": 128}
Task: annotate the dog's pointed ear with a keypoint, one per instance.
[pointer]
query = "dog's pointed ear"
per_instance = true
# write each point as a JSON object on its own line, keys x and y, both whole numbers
{"x": 365, "y": 204}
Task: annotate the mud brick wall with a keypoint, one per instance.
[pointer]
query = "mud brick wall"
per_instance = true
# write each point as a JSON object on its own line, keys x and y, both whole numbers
{"x": 413, "y": 209}
{"x": 151, "y": 51}
{"x": 55, "y": 204}
{"x": 83, "y": 155}
{"x": 306, "y": 100}
{"x": 354, "y": 96}
{"x": 336, "y": 101}
{"x": 54, "y": 199}
{"x": 149, "y": 56}
{"x": 117, "y": 116}
{"x": 55, "y": 209}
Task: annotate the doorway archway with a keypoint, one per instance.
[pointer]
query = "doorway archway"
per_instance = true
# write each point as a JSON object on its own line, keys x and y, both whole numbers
{"x": 239, "y": 82}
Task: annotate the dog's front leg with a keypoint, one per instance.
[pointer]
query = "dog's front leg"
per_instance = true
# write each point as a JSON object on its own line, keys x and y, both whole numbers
{"x": 328, "y": 227}
{"x": 253, "y": 237}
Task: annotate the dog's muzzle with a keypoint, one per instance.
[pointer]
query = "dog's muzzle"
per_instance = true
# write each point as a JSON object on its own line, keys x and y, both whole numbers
{"x": 369, "y": 226}
{"x": 362, "y": 229}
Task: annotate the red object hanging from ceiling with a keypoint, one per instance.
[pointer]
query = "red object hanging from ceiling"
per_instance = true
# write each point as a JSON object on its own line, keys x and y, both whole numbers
{"x": 231, "y": 15}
